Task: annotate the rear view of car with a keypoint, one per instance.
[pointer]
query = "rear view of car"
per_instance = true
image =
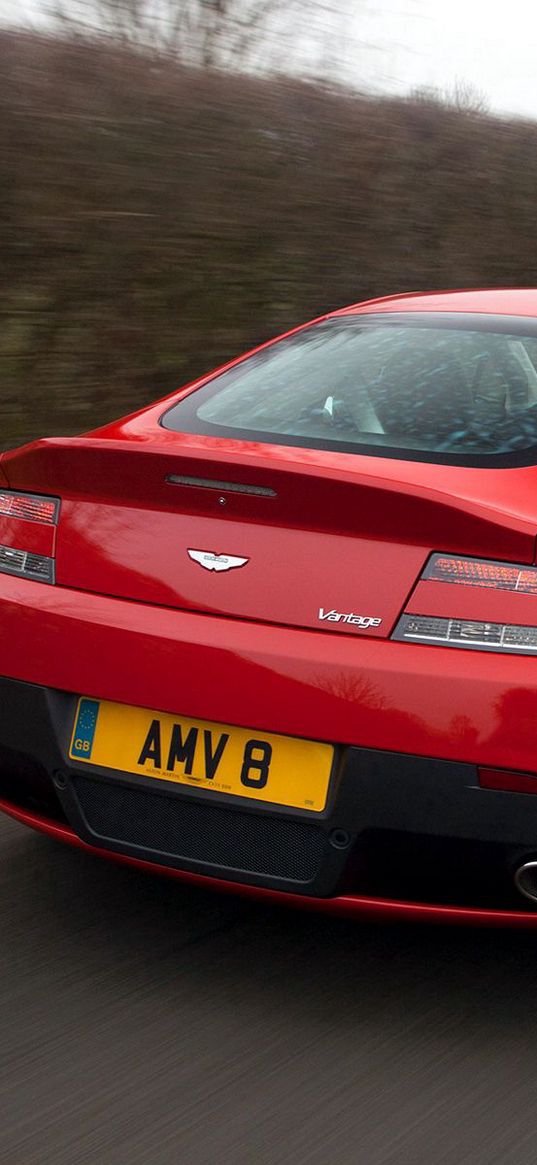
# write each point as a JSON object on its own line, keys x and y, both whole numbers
{"x": 278, "y": 630}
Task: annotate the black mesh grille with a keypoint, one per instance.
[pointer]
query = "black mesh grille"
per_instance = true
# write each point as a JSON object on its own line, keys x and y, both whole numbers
{"x": 183, "y": 828}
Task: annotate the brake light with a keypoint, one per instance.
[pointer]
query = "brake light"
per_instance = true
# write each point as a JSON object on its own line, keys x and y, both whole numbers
{"x": 27, "y": 535}
{"x": 29, "y": 507}
{"x": 476, "y": 572}
{"x": 481, "y": 635}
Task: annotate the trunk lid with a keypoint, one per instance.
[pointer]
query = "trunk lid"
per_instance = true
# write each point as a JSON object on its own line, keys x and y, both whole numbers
{"x": 321, "y": 541}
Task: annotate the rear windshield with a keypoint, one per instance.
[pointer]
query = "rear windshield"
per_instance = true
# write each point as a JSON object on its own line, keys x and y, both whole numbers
{"x": 460, "y": 389}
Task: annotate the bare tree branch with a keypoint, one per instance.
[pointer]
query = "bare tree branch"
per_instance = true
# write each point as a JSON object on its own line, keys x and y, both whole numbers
{"x": 242, "y": 35}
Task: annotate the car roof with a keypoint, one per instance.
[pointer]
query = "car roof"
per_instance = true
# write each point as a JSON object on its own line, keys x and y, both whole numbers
{"x": 512, "y": 301}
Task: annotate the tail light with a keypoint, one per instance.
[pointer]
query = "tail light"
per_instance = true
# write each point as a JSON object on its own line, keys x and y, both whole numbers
{"x": 27, "y": 535}
{"x": 477, "y": 572}
{"x": 515, "y": 638}
{"x": 30, "y": 507}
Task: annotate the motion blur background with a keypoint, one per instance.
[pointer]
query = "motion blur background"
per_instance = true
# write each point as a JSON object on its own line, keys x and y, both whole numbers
{"x": 181, "y": 179}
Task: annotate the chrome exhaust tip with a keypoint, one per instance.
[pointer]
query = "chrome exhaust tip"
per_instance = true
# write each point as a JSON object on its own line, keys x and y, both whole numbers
{"x": 526, "y": 879}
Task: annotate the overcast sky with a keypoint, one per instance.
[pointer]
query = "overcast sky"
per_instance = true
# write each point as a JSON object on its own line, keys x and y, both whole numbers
{"x": 490, "y": 44}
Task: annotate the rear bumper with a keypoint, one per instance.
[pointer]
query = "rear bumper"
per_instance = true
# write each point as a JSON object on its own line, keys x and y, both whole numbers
{"x": 418, "y": 829}
{"x": 397, "y": 829}
{"x": 365, "y": 908}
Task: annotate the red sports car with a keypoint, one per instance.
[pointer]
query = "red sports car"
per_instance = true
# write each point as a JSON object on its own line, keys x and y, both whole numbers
{"x": 278, "y": 632}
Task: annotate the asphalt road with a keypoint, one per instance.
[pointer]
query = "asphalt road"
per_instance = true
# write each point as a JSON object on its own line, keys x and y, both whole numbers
{"x": 144, "y": 1022}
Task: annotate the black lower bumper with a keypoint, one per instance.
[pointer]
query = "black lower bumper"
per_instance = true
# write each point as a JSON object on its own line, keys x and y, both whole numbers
{"x": 400, "y": 826}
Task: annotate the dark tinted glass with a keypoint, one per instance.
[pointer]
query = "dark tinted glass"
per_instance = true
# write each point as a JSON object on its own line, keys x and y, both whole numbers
{"x": 450, "y": 388}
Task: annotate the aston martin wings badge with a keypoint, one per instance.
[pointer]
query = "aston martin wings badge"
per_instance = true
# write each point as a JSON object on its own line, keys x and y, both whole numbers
{"x": 211, "y": 561}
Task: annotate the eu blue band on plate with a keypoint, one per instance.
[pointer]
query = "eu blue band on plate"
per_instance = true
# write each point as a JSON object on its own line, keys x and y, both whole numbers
{"x": 86, "y": 723}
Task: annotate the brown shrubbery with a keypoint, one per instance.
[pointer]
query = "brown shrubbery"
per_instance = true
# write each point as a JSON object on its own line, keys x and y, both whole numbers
{"x": 155, "y": 220}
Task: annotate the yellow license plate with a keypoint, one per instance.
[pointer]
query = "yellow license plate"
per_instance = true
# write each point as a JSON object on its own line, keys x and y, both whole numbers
{"x": 239, "y": 761}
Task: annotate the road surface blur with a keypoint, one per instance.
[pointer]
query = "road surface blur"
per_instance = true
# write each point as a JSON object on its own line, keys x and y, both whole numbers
{"x": 142, "y": 1022}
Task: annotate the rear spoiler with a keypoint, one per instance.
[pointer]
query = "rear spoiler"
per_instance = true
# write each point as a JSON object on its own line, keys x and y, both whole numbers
{"x": 292, "y": 492}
